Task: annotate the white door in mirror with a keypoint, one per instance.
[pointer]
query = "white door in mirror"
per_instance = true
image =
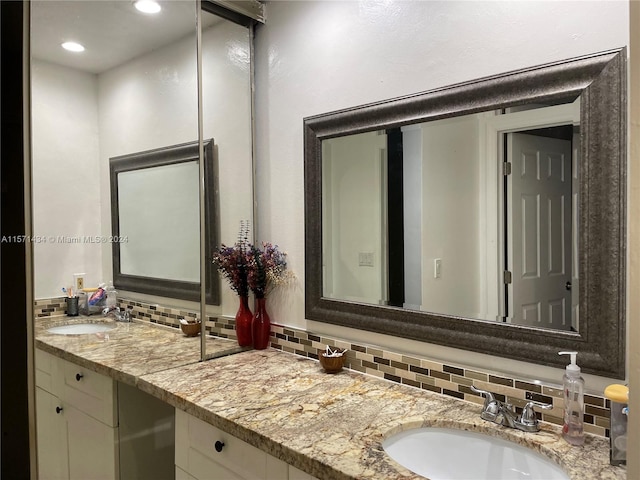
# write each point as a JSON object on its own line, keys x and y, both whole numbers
{"x": 450, "y": 454}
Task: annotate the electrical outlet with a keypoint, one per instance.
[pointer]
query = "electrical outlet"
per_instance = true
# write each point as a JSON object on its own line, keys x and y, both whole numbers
{"x": 78, "y": 281}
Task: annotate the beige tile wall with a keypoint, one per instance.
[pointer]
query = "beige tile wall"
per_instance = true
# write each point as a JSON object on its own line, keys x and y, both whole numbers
{"x": 414, "y": 371}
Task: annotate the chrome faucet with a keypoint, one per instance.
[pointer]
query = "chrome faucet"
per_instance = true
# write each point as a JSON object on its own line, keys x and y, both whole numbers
{"x": 504, "y": 414}
{"x": 119, "y": 315}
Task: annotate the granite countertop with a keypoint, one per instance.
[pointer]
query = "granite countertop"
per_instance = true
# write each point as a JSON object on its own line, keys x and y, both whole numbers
{"x": 330, "y": 426}
{"x": 129, "y": 350}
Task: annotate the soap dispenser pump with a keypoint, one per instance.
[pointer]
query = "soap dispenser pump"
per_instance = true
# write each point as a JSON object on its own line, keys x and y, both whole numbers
{"x": 573, "y": 389}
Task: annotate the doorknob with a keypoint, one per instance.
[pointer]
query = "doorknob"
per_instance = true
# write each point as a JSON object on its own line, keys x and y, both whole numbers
{"x": 567, "y": 285}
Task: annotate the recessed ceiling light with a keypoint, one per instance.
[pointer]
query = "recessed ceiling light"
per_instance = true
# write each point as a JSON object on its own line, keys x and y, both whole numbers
{"x": 73, "y": 47}
{"x": 147, "y": 6}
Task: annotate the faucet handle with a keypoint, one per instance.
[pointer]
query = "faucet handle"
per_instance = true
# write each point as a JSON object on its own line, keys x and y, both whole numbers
{"x": 488, "y": 396}
{"x": 491, "y": 408}
{"x": 528, "y": 416}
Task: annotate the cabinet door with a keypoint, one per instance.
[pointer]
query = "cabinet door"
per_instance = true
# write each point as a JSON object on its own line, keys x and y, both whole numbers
{"x": 52, "y": 437}
{"x": 297, "y": 474}
{"x": 182, "y": 475}
{"x": 92, "y": 452}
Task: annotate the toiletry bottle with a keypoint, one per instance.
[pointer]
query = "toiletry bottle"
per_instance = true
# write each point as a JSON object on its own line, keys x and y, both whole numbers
{"x": 619, "y": 396}
{"x": 573, "y": 387}
{"x": 97, "y": 296}
{"x": 112, "y": 301}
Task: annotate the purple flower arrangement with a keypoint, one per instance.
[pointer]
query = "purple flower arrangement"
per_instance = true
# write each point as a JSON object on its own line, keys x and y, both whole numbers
{"x": 232, "y": 261}
{"x": 246, "y": 266}
{"x": 267, "y": 269}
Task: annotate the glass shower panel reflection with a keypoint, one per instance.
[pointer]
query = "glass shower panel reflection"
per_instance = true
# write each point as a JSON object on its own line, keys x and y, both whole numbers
{"x": 226, "y": 113}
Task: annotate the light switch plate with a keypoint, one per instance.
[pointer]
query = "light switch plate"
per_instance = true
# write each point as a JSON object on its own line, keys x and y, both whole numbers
{"x": 437, "y": 267}
{"x": 365, "y": 259}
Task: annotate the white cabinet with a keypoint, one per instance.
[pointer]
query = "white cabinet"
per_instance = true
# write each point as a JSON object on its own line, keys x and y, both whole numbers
{"x": 204, "y": 452}
{"x": 76, "y": 421}
{"x": 78, "y": 427}
{"x": 52, "y": 452}
{"x": 296, "y": 474}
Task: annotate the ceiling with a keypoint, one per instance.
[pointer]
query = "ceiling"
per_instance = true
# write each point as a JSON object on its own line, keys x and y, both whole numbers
{"x": 112, "y": 31}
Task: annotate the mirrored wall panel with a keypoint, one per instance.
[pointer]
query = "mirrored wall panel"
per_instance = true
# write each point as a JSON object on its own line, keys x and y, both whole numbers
{"x": 132, "y": 89}
{"x": 227, "y": 119}
{"x": 127, "y": 83}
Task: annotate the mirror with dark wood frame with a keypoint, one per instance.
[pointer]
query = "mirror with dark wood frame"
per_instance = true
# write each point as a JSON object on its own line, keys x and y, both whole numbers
{"x": 154, "y": 207}
{"x": 596, "y": 86}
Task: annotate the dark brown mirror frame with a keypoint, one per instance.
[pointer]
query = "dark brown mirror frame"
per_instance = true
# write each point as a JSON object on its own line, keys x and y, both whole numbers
{"x": 187, "y": 152}
{"x": 600, "y": 79}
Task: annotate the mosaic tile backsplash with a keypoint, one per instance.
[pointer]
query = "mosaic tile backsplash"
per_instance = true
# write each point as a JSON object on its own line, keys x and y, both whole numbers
{"x": 411, "y": 370}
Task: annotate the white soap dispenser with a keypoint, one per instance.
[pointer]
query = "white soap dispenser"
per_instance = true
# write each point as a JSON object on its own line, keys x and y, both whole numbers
{"x": 573, "y": 387}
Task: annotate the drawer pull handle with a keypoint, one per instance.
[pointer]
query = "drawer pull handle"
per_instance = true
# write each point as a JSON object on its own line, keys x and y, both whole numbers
{"x": 58, "y": 409}
{"x": 218, "y": 446}
{"x": 79, "y": 377}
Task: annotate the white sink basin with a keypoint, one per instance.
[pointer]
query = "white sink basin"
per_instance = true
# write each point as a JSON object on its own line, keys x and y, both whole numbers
{"x": 450, "y": 454}
{"x": 81, "y": 328}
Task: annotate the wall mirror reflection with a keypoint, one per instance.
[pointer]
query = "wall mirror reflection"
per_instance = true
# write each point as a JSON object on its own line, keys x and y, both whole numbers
{"x": 488, "y": 216}
{"x": 473, "y": 216}
{"x": 155, "y": 212}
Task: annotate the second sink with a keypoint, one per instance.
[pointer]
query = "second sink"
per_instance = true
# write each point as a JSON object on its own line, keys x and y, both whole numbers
{"x": 451, "y": 454}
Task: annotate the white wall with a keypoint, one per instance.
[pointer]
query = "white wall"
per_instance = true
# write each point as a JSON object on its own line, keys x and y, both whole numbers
{"x": 66, "y": 177}
{"x": 450, "y": 222}
{"x": 355, "y": 219}
{"x": 315, "y": 57}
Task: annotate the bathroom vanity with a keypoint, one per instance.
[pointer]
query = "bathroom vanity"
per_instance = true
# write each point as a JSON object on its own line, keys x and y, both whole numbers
{"x": 254, "y": 414}
{"x": 93, "y": 420}
{"x": 77, "y": 420}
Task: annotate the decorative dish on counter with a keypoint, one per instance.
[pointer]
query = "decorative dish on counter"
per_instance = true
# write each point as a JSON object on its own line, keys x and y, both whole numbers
{"x": 332, "y": 360}
{"x": 191, "y": 328}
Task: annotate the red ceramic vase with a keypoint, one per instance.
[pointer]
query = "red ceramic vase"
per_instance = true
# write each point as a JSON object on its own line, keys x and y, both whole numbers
{"x": 261, "y": 325}
{"x": 244, "y": 318}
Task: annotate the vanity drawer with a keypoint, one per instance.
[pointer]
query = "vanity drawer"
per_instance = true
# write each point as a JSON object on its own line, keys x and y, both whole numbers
{"x": 196, "y": 453}
{"x": 90, "y": 392}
